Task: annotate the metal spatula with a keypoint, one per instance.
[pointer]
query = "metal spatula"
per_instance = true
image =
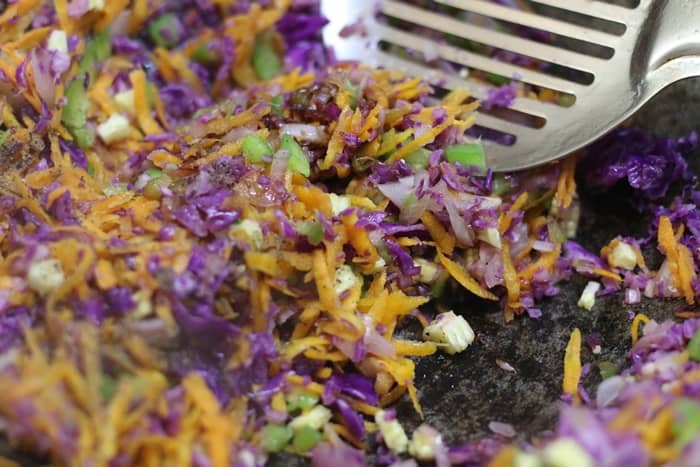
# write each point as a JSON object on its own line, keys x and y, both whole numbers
{"x": 604, "y": 58}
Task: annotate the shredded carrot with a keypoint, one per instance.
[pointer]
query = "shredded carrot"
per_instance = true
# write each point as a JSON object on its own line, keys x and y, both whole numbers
{"x": 414, "y": 348}
{"x": 104, "y": 274}
{"x": 392, "y": 396}
{"x": 504, "y": 458}
{"x": 359, "y": 239}
{"x": 143, "y": 111}
{"x": 686, "y": 273}
{"x": 566, "y": 185}
{"x": 607, "y": 274}
{"x": 507, "y": 217}
{"x": 414, "y": 399}
{"x": 417, "y": 143}
{"x": 464, "y": 279}
{"x": 510, "y": 277}
{"x": 687, "y": 314}
{"x": 634, "y": 329}
{"x": 314, "y": 198}
{"x": 572, "y": 365}
{"x": 546, "y": 261}
{"x": 139, "y": 13}
{"x": 324, "y": 282}
{"x": 442, "y": 237}
{"x": 669, "y": 246}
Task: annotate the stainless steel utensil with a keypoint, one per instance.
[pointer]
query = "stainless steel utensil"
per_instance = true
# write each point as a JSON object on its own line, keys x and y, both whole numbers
{"x": 620, "y": 58}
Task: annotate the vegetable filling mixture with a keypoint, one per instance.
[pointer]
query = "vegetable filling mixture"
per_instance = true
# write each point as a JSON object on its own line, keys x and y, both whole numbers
{"x": 217, "y": 242}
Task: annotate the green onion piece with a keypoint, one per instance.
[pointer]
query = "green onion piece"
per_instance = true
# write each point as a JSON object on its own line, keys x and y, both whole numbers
{"x": 418, "y": 159}
{"x": 567, "y": 100}
{"x": 74, "y": 115}
{"x": 354, "y": 92}
{"x": 151, "y": 92}
{"x": 153, "y": 189}
{"x": 556, "y": 233}
{"x": 498, "y": 80}
{"x": 306, "y": 438}
{"x": 694, "y": 347}
{"x": 277, "y": 104}
{"x": 205, "y": 56}
{"x": 101, "y": 45}
{"x": 165, "y": 30}
{"x": 83, "y": 137}
{"x": 255, "y": 148}
{"x": 298, "y": 162}
{"x": 686, "y": 422}
{"x": 75, "y": 111}
{"x": 384, "y": 252}
{"x": 409, "y": 200}
{"x": 313, "y": 231}
{"x": 153, "y": 172}
{"x": 500, "y": 185}
{"x": 97, "y": 50}
{"x": 467, "y": 44}
{"x": 114, "y": 189}
{"x": 275, "y": 437}
{"x": 607, "y": 369}
{"x": 266, "y": 62}
{"x": 438, "y": 288}
{"x": 302, "y": 401}
{"x": 108, "y": 386}
{"x": 3, "y": 136}
{"x": 471, "y": 154}
{"x": 362, "y": 164}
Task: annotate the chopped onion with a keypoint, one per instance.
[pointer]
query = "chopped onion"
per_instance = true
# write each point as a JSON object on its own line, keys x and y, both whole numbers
{"x": 632, "y": 296}
{"x": 464, "y": 233}
{"x": 539, "y": 245}
{"x": 503, "y": 365}
{"x": 374, "y": 342}
{"x": 398, "y": 191}
{"x": 302, "y": 132}
{"x": 279, "y": 165}
{"x": 609, "y": 390}
{"x": 238, "y": 133}
{"x": 503, "y": 429}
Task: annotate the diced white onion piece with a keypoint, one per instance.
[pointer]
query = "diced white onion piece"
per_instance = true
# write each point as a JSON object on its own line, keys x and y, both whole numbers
{"x": 539, "y": 245}
{"x": 623, "y": 256}
{"x": 115, "y": 128}
{"x": 250, "y": 230}
{"x": 45, "y": 276}
{"x": 491, "y": 236}
{"x": 125, "y": 100}
{"x": 393, "y": 433}
{"x": 428, "y": 270}
{"x": 339, "y": 203}
{"x": 450, "y": 330}
{"x": 302, "y": 132}
{"x": 345, "y": 279}
{"x": 566, "y": 452}
{"x": 314, "y": 418}
{"x": 58, "y": 41}
{"x": 587, "y": 299}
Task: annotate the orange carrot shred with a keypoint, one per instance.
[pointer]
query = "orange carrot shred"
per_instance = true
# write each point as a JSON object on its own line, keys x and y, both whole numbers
{"x": 463, "y": 277}
{"x": 572, "y": 365}
{"x": 442, "y": 237}
{"x": 143, "y": 111}
{"x": 634, "y": 329}
{"x": 668, "y": 246}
